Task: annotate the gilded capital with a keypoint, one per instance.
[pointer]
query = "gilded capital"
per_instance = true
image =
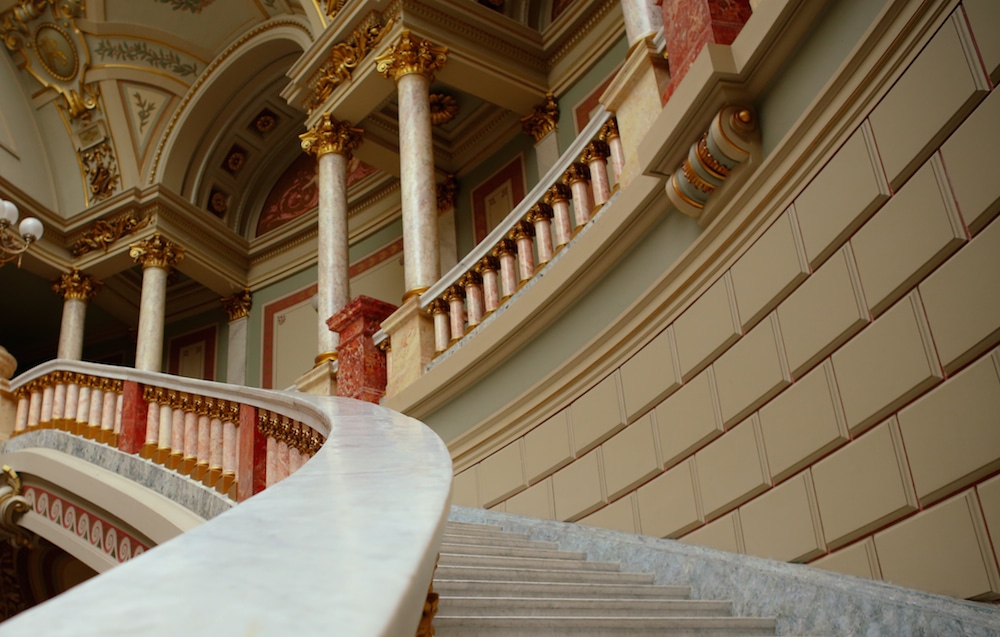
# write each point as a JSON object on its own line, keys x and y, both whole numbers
{"x": 576, "y": 172}
{"x": 543, "y": 118}
{"x": 557, "y": 192}
{"x": 411, "y": 54}
{"x": 238, "y": 305}
{"x": 76, "y": 285}
{"x": 156, "y": 252}
{"x": 595, "y": 150}
{"x": 446, "y": 191}
{"x": 488, "y": 263}
{"x": 521, "y": 230}
{"x": 331, "y": 136}
{"x": 505, "y": 247}
{"x": 454, "y": 293}
{"x": 541, "y": 211}
{"x": 609, "y": 130}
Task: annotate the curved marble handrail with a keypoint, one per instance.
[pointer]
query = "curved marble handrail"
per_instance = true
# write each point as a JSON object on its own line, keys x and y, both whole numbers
{"x": 345, "y": 545}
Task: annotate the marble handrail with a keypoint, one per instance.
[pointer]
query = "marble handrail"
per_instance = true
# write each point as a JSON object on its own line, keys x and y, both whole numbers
{"x": 345, "y": 545}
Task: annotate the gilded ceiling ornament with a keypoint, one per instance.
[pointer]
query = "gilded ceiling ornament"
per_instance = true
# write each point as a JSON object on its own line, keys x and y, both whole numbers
{"x": 345, "y": 57}
{"x": 101, "y": 169}
{"x": 238, "y": 305}
{"x": 444, "y": 108}
{"x": 331, "y": 136}
{"x": 102, "y": 233}
{"x": 156, "y": 252}
{"x": 12, "y": 506}
{"x": 446, "y": 191}
{"x": 76, "y": 285}
{"x": 411, "y": 54}
{"x": 543, "y": 118}
{"x": 330, "y": 7}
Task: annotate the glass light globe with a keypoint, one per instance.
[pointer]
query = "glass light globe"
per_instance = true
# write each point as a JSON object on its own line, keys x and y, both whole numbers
{"x": 8, "y": 212}
{"x": 32, "y": 228}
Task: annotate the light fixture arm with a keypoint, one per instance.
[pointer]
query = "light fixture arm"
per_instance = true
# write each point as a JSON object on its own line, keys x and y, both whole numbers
{"x": 15, "y": 239}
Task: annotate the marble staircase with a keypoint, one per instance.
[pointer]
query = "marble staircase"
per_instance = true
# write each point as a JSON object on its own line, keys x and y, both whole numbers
{"x": 493, "y": 582}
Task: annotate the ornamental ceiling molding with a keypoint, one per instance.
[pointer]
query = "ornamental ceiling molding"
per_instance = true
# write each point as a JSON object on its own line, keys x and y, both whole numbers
{"x": 594, "y": 17}
{"x": 102, "y": 233}
{"x": 208, "y": 73}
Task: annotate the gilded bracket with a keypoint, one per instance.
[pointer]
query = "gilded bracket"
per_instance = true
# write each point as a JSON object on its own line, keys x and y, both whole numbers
{"x": 13, "y": 505}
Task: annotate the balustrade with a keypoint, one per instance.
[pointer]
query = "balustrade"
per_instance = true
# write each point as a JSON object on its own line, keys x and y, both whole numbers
{"x": 193, "y": 433}
{"x": 562, "y": 204}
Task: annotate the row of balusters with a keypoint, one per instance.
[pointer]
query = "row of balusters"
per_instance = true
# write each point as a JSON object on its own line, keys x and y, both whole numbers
{"x": 532, "y": 241}
{"x": 193, "y": 434}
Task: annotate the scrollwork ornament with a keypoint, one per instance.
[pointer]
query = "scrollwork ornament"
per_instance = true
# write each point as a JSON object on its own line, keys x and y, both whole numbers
{"x": 101, "y": 169}
{"x": 411, "y": 54}
{"x": 345, "y": 57}
{"x": 105, "y": 232}
{"x": 13, "y": 505}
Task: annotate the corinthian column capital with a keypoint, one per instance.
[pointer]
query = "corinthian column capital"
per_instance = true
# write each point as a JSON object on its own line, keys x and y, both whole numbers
{"x": 156, "y": 252}
{"x": 238, "y": 305}
{"x": 411, "y": 54}
{"x": 76, "y": 285}
{"x": 331, "y": 136}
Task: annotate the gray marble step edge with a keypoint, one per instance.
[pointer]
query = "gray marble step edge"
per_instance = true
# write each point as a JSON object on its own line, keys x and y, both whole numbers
{"x": 806, "y": 600}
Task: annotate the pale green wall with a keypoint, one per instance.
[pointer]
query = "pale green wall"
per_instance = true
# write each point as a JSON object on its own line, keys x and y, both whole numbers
{"x": 582, "y": 87}
{"x": 215, "y": 317}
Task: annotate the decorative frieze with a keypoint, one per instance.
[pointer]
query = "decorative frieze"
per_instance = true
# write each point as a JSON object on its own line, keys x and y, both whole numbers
{"x": 103, "y": 232}
{"x": 345, "y": 57}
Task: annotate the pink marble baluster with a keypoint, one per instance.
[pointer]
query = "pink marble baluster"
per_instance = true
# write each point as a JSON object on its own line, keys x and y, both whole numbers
{"x": 48, "y": 398}
{"x": 609, "y": 135}
{"x": 59, "y": 402}
{"x": 294, "y": 459}
{"x": 558, "y": 196}
{"x": 204, "y": 444}
{"x": 506, "y": 252}
{"x": 190, "y": 442}
{"x": 229, "y": 431}
{"x": 595, "y": 155}
{"x": 455, "y": 297}
{"x": 34, "y": 408}
{"x": 473, "y": 284}
{"x": 540, "y": 216}
{"x": 177, "y": 435}
{"x": 442, "y": 330}
{"x": 215, "y": 450}
{"x": 522, "y": 234}
{"x": 107, "y": 427}
{"x": 21, "y": 420}
{"x": 96, "y": 409}
{"x": 487, "y": 268}
{"x": 72, "y": 401}
{"x": 82, "y": 409}
{"x": 577, "y": 177}
{"x": 271, "y": 464}
{"x": 119, "y": 410}
{"x": 152, "y": 430}
{"x": 166, "y": 435}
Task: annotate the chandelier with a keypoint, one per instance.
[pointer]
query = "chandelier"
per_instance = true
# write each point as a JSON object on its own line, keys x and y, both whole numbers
{"x": 13, "y": 242}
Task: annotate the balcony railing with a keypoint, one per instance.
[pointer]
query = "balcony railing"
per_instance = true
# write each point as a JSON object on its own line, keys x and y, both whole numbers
{"x": 571, "y": 194}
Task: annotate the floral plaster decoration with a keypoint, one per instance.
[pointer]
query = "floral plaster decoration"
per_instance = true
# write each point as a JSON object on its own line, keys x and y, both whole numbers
{"x": 194, "y": 6}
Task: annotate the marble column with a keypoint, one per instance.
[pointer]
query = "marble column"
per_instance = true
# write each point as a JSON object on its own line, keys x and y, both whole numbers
{"x": 237, "y": 308}
{"x": 688, "y": 25}
{"x": 332, "y": 142}
{"x": 362, "y": 372}
{"x": 642, "y": 19}
{"x": 8, "y": 403}
{"x": 157, "y": 255}
{"x": 541, "y": 124}
{"x": 411, "y": 62}
{"x": 76, "y": 289}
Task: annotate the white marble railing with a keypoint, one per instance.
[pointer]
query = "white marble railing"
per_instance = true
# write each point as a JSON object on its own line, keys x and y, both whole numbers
{"x": 564, "y": 201}
{"x": 347, "y": 544}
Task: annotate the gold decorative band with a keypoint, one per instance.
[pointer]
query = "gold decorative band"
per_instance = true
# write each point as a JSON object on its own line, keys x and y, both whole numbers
{"x": 684, "y": 198}
{"x": 324, "y": 357}
{"x": 414, "y": 292}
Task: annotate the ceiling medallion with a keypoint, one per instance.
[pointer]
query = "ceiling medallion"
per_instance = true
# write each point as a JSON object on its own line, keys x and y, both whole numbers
{"x": 265, "y": 122}
{"x": 235, "y": 160}
{"x": 444, "y": 108}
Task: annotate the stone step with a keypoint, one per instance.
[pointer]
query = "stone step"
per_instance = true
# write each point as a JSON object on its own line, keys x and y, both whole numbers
{"x": 517, "y": 541}
{"x": 448, "y": 572}
{"x": 495, "y": 588}
{"x": 510, "y": 551}
{"x": 535, "y": 563}
{"x": 605, "y": 626}
{"x": 577, "y": 607}
{"x": 459, "y": 527}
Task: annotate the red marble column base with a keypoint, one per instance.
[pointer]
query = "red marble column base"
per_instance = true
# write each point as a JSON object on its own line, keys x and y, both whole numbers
{"x": 688, "y": 25}
{"x": 132, "y": 434}
{"x": 251, "y": 455}
{"x": 361, "y": 373}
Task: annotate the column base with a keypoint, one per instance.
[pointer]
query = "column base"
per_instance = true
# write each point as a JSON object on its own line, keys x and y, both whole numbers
{"x": 200, "y": 470}
{"x": 148, "y": 450}
{"x": 211, "y": 476}
{"x": 227, "y": 485}
{"x": 187, "y": 466}
{"x": 320, "y": 380}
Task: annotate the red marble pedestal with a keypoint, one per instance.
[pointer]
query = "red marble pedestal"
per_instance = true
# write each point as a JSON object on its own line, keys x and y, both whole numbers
{"x": 688, "y": 25}
{"x": 361, "y": 370}
{"x": 251, "y": 452}
{"x": 132, "y": 434}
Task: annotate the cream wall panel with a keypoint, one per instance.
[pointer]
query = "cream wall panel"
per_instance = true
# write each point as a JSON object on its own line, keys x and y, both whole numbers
{"x": 732, "y": 469}
{"x": 751, "y": 372}
{"x": 943, "y": 550}
{"x": 617, "y": 516}
{"x": 465, "y": 488}
{"x": 989, "y": 498}
{"x": 864, "y": 485}
{"x": 706, "y": 328}
{"x": 860, "y": 560}
{"x": 841, "y": 197}
{"x": 547, "y": 447}
{"x": 535, "y": 501}
{"x": 650, "y": 375}
{"x": 910, "y": 236}
{"x": 724, "y": 534}
{"x": 886, "y": 365}
{"x": 576, "y": 488}
{"x": 803, "y": 423}
{"x": 783, "y": 524}
{"x": 963, "y": 307}
{"x": 630, "y": 457}
{"x": 970, "y": 157}
{"x": 911, "y": 121}
{"x": 689, "y": 419}
{"x": 822, "y": 313}
{"x": 596, "y": 415}
{"x": 984, "y": 18}
{"x": 502, "y": 474}
{"x": 769, "y": 270}
{"x": 952, "y": 434}
{"x": 668, "y": 505}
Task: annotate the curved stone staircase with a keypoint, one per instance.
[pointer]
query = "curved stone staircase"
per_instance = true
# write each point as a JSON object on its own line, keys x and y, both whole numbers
{"x": 493, "y": 582}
